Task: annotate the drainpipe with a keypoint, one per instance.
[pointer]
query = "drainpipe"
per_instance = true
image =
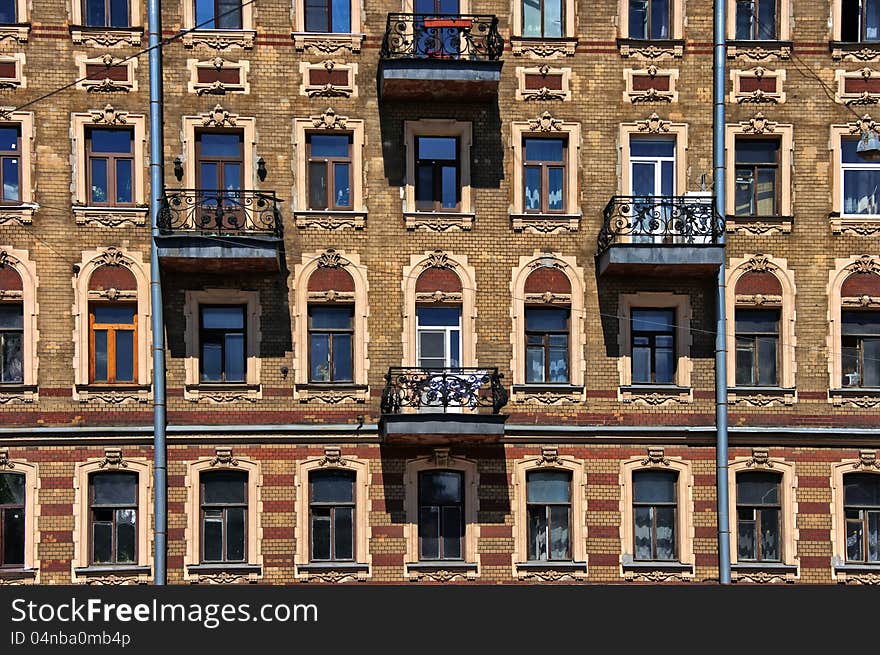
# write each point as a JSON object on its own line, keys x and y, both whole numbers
{"x": 157, "y": 183}
{"x": 721, "y": 469}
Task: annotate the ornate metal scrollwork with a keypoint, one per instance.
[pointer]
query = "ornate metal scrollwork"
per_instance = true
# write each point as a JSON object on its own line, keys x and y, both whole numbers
{"x": 221, "y": 212}
{"x": 456, "y": 37}
{"x": 443, "y": 389}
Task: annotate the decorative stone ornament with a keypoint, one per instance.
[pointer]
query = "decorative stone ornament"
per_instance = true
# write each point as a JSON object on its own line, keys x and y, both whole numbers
{"x": 332, "y": 457}
{"x": 545, "y": 123}
{"x": 109, "y": 116}
{"x": 867, "y": 460}
{"x": 4, "y": 459}
{"x": 113, "y": 459}
{"x": 223, "y": 457}
{"x": 331, "y": 259}
{"x": 218, "y": 117}
{"x": 653, "y": 125}
{"x": 760, "y": 458}
{"x": 329, "y": 120}
{"x": 656, "y": 457}
{"x": 758, "y": 124}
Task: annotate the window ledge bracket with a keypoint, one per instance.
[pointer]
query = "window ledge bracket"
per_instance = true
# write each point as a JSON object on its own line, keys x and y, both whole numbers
{"x": 327, "y": 42}
{"x": 106, "y": 37}
{"x": 543, "y": 47}
{"x": 547, "y": 394}
{"x": 330, "y": 219}
{"x": 544, "y": 223}
{"x": 333, "y": 571}
{"x": 110, "y": 216}
{"x": 219, "y": 39}
{"x": 442, "y": 571}
{"x": 650, "y": 49}
{"x": 113, "y": 574}
{"x": 762, "y": 396}
{"x": 760, "y": 49}
{"x": 223, "y": 573}
{"x": 655, "y": 570}
{"x": 854, "y": 224}
{"x": 112, "y": 394}
{"x": 655, "y": 394}
{"x": 18, "y": 574}
{"x": 223, "y": 393}
{"x": 763, "y": 572}
{"x": 439, "y": 221}
{"x": 862, "y": 51}
{"x": 759, "y": 224}
{"x": 861, "y": 397}
{"x": 22, "y": 214}
{"x": 24, "y": 393}
{"x": 332, "y": 394}
{"x": 550, "y": 571}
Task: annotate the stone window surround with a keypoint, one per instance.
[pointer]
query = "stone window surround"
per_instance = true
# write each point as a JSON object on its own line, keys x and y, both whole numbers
{"x": 194, "y": 389}
{"x": 350, "y": 90}
{"x": 760, "y": 128}
{"x": 29, "y": 573}
{"x": 649, "y": 48}
{"x": 845, "y": 223}
{"x": 20, "y": 262}
{"x": 20, "y": 80}
{"x": 684, "y": 515}
{"x": 522, "y": 93}
{"x": 329, "y": 123}
{"x": 220, "y": 119}
{"x": 843, "y": 268}
{"x": 81, "y": 567}
{"x": 21, "y": 30}
{"x": 632, "y": 96}
{"x": 574, "y": 391}
{"x": 841, "y": 571}
{"x": 192, "y": 531}
{"x": 24, "y": 212}
{"x": 756, "y": 571}
{"x": 741, "y": 97}
{"x": 550, "y": 460}
{"x": 778, "y": 267}
{"x": 546, "y": 125}
{"x": 359, "y": 569}
{"x": 358, "y": 390}
{"x": 841, "y": 95}
{"x": 329, "y": 42}
{"x": 82, "y": 61}
{"x": 206, "y": 88}
{"x": 108, "y": 216}
{"x": 654, "y": 127}
{"x": 439, "y": 221}
{"x": 441, "y": 460}
{"x": 542, "y": 47}
{"x": 458, "y": 264}
{"x": 106, "y": 37}
{"x": 656, "y": 394}
{"x": 218, "y": 39}
{"x": 134, "y": 262}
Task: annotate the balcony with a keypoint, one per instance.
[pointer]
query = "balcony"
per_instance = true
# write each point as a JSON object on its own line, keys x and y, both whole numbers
{"x": 440, "y": 57}
{"x": 660, "y": 235}
{"x": 442, "y": 405}
{"x": 213, "y": 230}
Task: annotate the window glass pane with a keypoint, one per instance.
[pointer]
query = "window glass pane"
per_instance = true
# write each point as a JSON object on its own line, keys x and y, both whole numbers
{"x": 319, "y": 356}
{"x": 429, "y": 532}
{"x": 638, "y": 19}
{"x": 224, "y": 487}
{"x": 114, "y": 488}
{"x": 100, "y": 355}
{"x": 553, "y": 18}
{"x": 555, "y": 182}
{"x": 643, "y": 537}
{"x": 341, "y": 16}
{"x": 746, "y": 545}
{"x": 317, "y": 15}
{"x": 7, "y": 12}
{"x": 118, "y": 13}
{"x": 757, "y": 151}
{"x": 659, "y": 19}
{"x": 11, "y": 489}
{"x": 325, "y": 318}
{"x": 229, "y": 14}
{"x": 872, "y": 20}
{"x": 342, "y": 359}
{"x": 744, "y": 20}
{"x": 544, "y": 150}
{"x": 559, "y": 533}
{"x": 757, "y": 320}
{"x": 860, "y": 191}
{"x": 757, "y": 489}
{"x": 641, "y": 361}
{"x": 235, "y": 534}
{"x": 123, "y": 181}
{"x": 235, "y": 365}
{"x": 861, "y": 489}
{"x": 335, "y": 145}
{"x": 342, "y": 186}
{"x": 439, "y": 316}
{"x": 9, "y": 136}
{"x": 320, "y": 533}
{"x": 874, "y": 536}
{"x": 745, "y": 362}
{"x": 864, "y": 323}
{"x": 854, "y": 541}
{"x": 332, "y": 487}
{"x": 871, "y": 372}
{"x": 537, "y": 533}
{"x": 651, "y": 147}
{"x": 124, "y": 356}
{"x": 219, "y": 144}
{"x": 745, "y": 192}
{"x": 439, "y": 488}
{"x": 344, "y": 527}
{"x": 102, "y": 543}
{"x": 547, "y": 319}
{"x": 11, "y": 357}
{"x": 452, "y": 532}
{"x": 532, "y": 188}
{"x": 766, "y": 192}
{"x": 449, "y": 187}
{"x": 212, "y": 362}
{"x": 535, "y": 364}
{"x": 849, "y": 151}
{"x": 213, "y": 536}
{"x": 114, "y": 314}
{"x": 654, "y": 486}
{"x": 548, "y": 487}
{"x": 767, "y": 361}
{"x": 125, "y": 536}
{"x": 432, "y": 345}
{"x": 98, "y": 179}
{"x": 653, "y": 320}
{"x": 11, "y": 188}
{"x": 95, "y": 16}
{"x": 317, "y": 185}
{"x": 113, "y": 141}
{"x": 11, "y": 316}
{"x": 767, "y": 19}
{"x": 664, "y": 361}
{"x": 437, "y": 147}
{"x": 228, "y": 317}
{"x": 558, "y": 364}
{"x": 770, "y": 535}
{"x": 13, "y": 536}
{"x": 425, "y": 186}
{"x": 532, "y": 18}
{"x": 665, "y": 532}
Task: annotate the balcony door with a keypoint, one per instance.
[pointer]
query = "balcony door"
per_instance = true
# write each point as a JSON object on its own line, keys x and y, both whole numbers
{"x": 435, "y": 36}
{"x": 219, "y": 166}
{"x": 652, "y": 174}
{"x": 438, "y": 346}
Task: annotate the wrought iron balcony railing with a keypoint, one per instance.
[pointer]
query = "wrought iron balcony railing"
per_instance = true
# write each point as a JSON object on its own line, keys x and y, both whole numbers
{"x": 212, "y": 211}
{"x": 442, "y": 36}
{"x": 443, "y": 389}
{"x": 675, "y": 220}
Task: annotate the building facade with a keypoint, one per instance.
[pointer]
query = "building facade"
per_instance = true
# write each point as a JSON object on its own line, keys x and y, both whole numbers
{"x": 438, "y": 285}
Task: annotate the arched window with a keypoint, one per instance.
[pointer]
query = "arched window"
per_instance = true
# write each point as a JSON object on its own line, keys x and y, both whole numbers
{"x": 655, "y": 509}
{"x": 759, "y": 516}
{"x": 861, "y": 506}
{"x": 113, "y": 518}
{"x": 12, "y": 520}
{"x": 18, "y": 324}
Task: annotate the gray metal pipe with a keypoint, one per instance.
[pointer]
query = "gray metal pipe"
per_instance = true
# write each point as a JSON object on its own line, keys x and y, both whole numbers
{"x": 157, "y": 183}
{"x": 721, "y": 454}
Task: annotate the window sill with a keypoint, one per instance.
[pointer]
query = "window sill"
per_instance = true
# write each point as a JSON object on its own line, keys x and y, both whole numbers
{"x": 862, "y": 397}
{"x": 223, "y": 573}
{"x": 113, "y": 394}
{"x": 25, "y": 393}
{"x": 330, "y": 219}
{"x": 763, "y": 572}
{"x": 761, "y": 396}
{"x": 22, "y": 214}
{"x": 222, "y": 392}
{"x": 117, "y": 570}
{"x": 650, "y": 48}
{"x": 655, "y": 394}
{"x": 545, "y": 223}
{"x": 102, "y": 36}
{"x": 759, "y": 224}
{"x": 759, "y": 50}
{"x": 442, "y": 571}
{"x": 333, "y": 571}
{"x": 439, "y": 221}
{"x": 863, "y": 225}
{"x": 219, "y": 39}
{"x": 18, "y": 31}
{"x": 18, "y": 574}
{"x": 543, "y": 47}
{"x": 331, "y": 393}
{"x": 110, "y": 216}
{"x": 655, "y": 570}
{"x": 327, "y": 42}
{"x": 855, "y": 50}
{"x": 550, "y": 571}
{"x": 547, "y": 394}
{"x": 856, "y": 572}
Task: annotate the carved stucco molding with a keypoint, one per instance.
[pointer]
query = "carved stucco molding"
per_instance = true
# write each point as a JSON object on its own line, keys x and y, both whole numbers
{"x": 329, "y": 120}
{"x": 759, "y": 53}
{"x": 653, "y": 125}
{"x": 222, "y": 577}
{"x": 763, "y": 577}
{"x": 113, "y": 459}
{"x": 867, "y": 460}
{"x": 657, "y": 576}
{"x": 549, "y": 575}
{"x": 758, "y": 124}
{"x": 439, "y": 259}
{"x": 545, "y": 123}
{"x": 224, "y": 457}
{"x": 865, "y": 265}
{"x": 218, "y": 117}
{"x": 114, "y": 580}
{"x": 330, "y": 258}
{"x": 109, "y": 116}
{"x": 5, "y": 463}
{"x": 656, "y": 457}
{"x": 329, "y": 221}
{"x": 332, "y": 457}
{"x": 651, "y": 51}
{"x": 329, "y": 397}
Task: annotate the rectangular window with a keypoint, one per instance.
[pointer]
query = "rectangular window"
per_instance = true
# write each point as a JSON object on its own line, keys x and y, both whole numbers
{"x": 860, "y": 349}
{"x": 113, "y": 517}
{"x": 218, "y": 14}
{"x": 544, "y": 175}
{"x": 859, "y": 20}
{"x": 861, "y": 504}
{"x": 548, "y": 506}
{"x": 547, "y": 331}
{"x": 441, "y": 515}
{"x": 110, "y": 166}
{"x": 329, "y": 171}
{"x": 8, "y": 12}
{"x": 331, "y": 511}
{"x": 10, "y": 164}
{"x": 11, "y": 342}
{"x": 106, "y": 13}
{"x": 224, "y": 516}
{"x": 650, "y": 19}
{"x": 438, "y": 332}
{"x": 543, "y": 18}
{"x": 113, "y": 343}
{"x": 653, "y": 346}
{"x": 223, "y": 339}
{"x": 12, "y": 528}
{"x": 654, "y": 515}
{"x": 756, "y": 20}
{"x": 438, "y": 174}
{"x": 757, "y": 347}
{"x": 328, "y": 16}
{"x": 758, "y": 517}
{"x": 331, "y": 343}
{"x": 861, "y": 180}
{"x": 757, "y": 177}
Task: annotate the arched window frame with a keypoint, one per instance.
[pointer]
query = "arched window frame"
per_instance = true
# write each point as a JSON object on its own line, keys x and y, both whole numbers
{"x": 19, "y": 261}
{"x": 865, "y": 573}
{"x": 29, "y": 573}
